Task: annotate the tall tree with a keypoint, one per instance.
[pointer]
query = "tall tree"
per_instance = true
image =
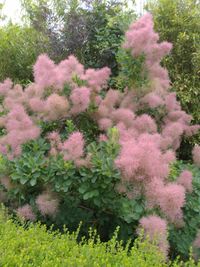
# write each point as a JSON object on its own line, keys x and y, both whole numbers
{"x": 91, "y": 30}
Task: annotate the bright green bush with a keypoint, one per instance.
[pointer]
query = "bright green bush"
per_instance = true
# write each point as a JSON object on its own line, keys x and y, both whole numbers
{"x": 34, "y": 245}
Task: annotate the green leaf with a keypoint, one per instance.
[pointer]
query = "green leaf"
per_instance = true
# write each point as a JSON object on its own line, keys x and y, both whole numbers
{"x": 86, "y": 196}
{"x": 83, "y": 188}
{"x": 23, "y": 180}
{"x": 33, "y": 182}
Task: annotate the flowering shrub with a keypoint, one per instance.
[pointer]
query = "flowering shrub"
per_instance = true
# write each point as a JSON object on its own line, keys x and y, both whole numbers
{"x": 73, "y": 151}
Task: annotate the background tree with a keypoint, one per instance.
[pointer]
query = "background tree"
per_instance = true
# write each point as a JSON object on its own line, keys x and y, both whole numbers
{"x": 19, "y": 48}
{"x": 91, "y": 30}
{"x": 2, "y": 15}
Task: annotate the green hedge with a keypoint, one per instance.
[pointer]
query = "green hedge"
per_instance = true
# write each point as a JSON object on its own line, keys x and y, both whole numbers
{"x": 34, "y": 245}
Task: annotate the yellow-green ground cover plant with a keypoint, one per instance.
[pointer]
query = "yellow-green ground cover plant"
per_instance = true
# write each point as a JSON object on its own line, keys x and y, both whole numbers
{"x": 31, "y": 244}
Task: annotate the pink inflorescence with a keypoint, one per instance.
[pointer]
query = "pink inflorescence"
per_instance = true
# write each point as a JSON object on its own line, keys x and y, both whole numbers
{"x": 20, "y": 129}
{"x": 97, "y": 79}
{"x": 56, "y": 144}
{"x": 141, "y": 39}
{"x": 171, "y": 201}
{"x": 25, "y": 212}
{"x": 47, "y": 204}
{"x": 73, "y": 147}
{"x": 44, "y": 71}
{"x": 5, "y": 87}
{"x": 148, "y": 142}
{"x": 156, "y": 229}
{"x": 46, "y": 99}
{"x": 56, "y": 107}
{"x": 141, "y": 159}
{"x": 80, "y": 98}
{"x": 185, "y": 179}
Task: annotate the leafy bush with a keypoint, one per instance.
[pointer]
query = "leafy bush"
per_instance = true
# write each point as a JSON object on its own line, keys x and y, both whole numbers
{"x": 74, "y": 150}
{"x": 178, "y": 22}
{"x": 19, "y": 48}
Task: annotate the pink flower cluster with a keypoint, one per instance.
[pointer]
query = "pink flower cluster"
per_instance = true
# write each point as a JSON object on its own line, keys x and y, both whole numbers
{"x": 5, "y": 87}
{"x": 185, "y": 179}
{"x": 20, "y": 129}
{"x": 26, "y": 212}
{"x": 45, "y": 100}
{"x": 142, "y": 161}
{"x": 156, "y": 229}
{"x": 141, "y": 39}
{"x": 73, "y": 149}
{"x": 97, "y": 79}
{"x": 55, "y": 142}
{"x": 80, "y": 98}
{"x": 47, "y": 204}
{"x": 47, "y": 74}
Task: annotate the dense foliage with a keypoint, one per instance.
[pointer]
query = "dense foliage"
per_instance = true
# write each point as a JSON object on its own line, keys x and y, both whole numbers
{"x": 74, "y": 150}
{"x": 1, "y": 15}
{"x": 19, "y": 48}
{"x": 178, "y": 22}
{"x": 90, "y": 30}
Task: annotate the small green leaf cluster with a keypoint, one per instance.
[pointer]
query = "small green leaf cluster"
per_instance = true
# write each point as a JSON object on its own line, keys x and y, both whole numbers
{"x": 131, "y": 72}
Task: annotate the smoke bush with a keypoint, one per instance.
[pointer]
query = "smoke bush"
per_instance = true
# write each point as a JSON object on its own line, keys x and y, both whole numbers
{"x": 46, "y": 204}
{"x": 135, "y": 134}
{"x": 25, "y": 212}
{"x": 156, "y": 228}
